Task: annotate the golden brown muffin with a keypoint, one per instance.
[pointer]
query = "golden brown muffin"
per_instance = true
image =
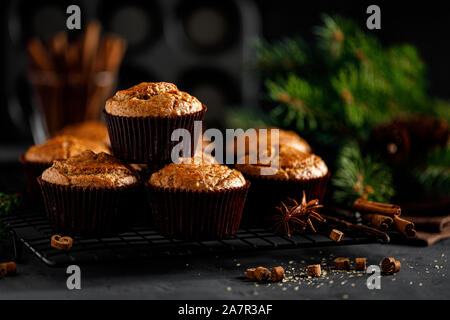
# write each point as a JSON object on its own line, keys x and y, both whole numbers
{"x": 92, "y": 130}
{"x": 289, "y": 138}
{"x": 152, "y": 99}
{"x": 197, "y": 177}
{"x": 292, "y": 139}
{"x": 293, "y": 165}
{"x": 201, "y": 158}
{"x": 62, "y": 147}
{"x": 89, "y": 169}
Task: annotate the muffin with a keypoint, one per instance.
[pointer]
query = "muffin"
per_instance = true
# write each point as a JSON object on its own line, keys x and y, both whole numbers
{"x": 87, "y": 194}
{"x": 285, "y": 137}
{"x": 197, "y": 201}
{"x": 91, "y": 130}
{"x": 297, "y": 172}
{"x": 40, "y": 157}
{"x": 290, "y": 138}
{"x": 141, "y": 120}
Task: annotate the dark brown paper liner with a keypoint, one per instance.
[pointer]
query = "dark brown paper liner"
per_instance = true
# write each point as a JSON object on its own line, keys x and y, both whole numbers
{"x": 197, "y": 215}
{"x": 147, "y": 139}
{"x": 267, "y": 193}
{"x": 140, "y": 202}
{"x": 87, "y": 211}
{"x": 32, "y": 170}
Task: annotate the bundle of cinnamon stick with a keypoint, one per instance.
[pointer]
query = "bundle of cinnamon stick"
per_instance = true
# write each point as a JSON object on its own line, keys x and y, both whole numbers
{"x": 385, "y": 217}
{"x": 72, "y": 80}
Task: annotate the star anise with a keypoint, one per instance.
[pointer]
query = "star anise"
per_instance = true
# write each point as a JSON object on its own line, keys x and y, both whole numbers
{"x": 297, "y": 217}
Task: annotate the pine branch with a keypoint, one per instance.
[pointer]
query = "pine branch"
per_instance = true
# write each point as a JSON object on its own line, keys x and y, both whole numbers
{"x": 246, "y": 118}
{"x": 441, "y": 109}
{"x": 339, "y": 89}
{"x": 301, "y": 101}
{"x": 435, "y": 177}
{"x": 286, "y": 55}
{"x": 8, "y": 203}
{"x": 333, "y": 34}
{"x": 357, "y": 176}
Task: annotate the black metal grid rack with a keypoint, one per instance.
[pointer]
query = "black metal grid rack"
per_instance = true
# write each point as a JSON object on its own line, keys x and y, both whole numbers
{"x": 33, "y": 231}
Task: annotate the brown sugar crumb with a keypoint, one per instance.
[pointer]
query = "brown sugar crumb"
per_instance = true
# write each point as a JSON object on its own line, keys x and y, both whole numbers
{"x": 342, "y": 263}
{"x": 8, "y": 268}
{"x": 262, "y": 274}
{"x": 11, "y": 267}
{"x": 336, "y": 235}
{"x": 390, "y": 265}
{"x": 61, "y": 243}
{"x": 3, "y": 270}
{"x": 251, "y": 273}
{"x": 360, "y": 264}
{"x": 314, "y": 270}
{"x": 277, "y": 274}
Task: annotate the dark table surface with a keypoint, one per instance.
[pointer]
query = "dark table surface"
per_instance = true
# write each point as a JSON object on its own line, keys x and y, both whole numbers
{"x": 424, "y": 273}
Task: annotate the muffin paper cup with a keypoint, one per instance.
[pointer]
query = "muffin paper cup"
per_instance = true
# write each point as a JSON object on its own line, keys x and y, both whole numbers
{"x": 87, "y": 211}
{"x": 267, "y": 193}
{"x": 197, "y": 215}
{"x": 32, "y": 170}
{"x": 147, "y": 139}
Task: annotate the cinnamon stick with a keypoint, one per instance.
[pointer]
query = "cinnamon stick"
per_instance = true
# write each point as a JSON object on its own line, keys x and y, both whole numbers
{"x": 79, "y": 75}
{"x": 387, "y": 209}
{"x": 379, "y": 221}
{"x": 39, "y": 55}
{"x": 405, "y": 227}
{"x": 381, "y": 236}
{"x": 90, "y": 45}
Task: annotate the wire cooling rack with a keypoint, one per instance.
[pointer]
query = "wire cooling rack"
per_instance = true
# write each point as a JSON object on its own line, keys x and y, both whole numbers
{"x": 33, "y": 231}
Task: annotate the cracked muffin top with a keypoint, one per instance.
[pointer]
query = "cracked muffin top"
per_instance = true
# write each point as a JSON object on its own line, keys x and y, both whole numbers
{"x": 293, "y": 165}
{"x": 92, "y": 130}
{"x": 197, "y": 177}
{"x": 62, "y": 147}
{"x": 90, "y": 169}
{"x": 152, "y": 99}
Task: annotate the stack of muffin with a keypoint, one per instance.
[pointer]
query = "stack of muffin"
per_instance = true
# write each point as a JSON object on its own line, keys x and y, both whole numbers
{"x": 69, "y": 142}
{"x": 93, "y": 192}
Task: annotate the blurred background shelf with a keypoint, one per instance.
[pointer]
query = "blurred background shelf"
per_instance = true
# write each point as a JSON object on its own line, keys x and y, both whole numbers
{"x": 205, "y": 47}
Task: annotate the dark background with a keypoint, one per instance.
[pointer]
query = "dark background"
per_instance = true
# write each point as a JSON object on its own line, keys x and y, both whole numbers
{"x": 204, "y": 46}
